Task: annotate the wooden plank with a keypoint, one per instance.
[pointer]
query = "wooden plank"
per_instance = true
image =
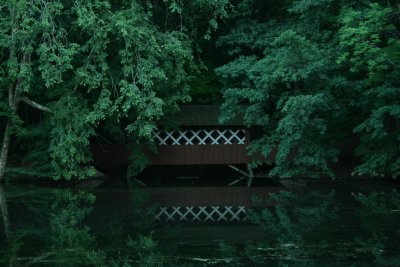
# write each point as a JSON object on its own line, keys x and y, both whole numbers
{"x": 200, "y": 155}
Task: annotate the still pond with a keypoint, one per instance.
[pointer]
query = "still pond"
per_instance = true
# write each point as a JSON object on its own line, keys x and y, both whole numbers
{"x": 115, "y": 226}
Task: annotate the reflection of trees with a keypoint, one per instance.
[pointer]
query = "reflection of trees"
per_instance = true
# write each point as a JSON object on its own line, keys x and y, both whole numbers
{"x": 143, "y": 249}
{"x": 63, "y": 227}
{"x": 70, "y": 240}
{"x": 4, "y": 214}
{"x": 296, "y": 223}
{"x": 379, "y": 217}
{"x": 53, "y": 221}
{"x": 293, "y": 225}
{"x": 11, "y": 242}
{"x": 142, "y": 216}
{"x": 51, "y": 228}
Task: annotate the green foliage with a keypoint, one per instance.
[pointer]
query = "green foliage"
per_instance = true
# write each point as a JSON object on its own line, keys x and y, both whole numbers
{"x": 360, "y": 38}
{"x": 301, "y": 6}
{"x": 138, "y": 159}
{"x": 123, "y": 64}
{"x": 70, "y": 135}
{"x": 370, "y": 49}
{"x": 279, "y": 90}
{"x": 325, "y": 72}
{"x": 298, "y": 132}
{"x": 312, "y": 74}
{"x": 37, "y": 160}
{"x": 380, "y": 141}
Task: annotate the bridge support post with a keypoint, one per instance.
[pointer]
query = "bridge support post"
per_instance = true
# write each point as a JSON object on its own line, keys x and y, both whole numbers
{"x": 249, "y": 175}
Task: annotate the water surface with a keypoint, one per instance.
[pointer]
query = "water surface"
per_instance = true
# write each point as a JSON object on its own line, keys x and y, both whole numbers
{"x": 115, "y": 226}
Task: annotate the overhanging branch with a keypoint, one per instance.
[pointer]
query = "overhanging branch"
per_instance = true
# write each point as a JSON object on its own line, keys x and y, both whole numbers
{"x": 35, "y": 105}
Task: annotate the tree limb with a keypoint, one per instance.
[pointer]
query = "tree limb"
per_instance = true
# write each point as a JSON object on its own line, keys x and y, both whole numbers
{"x": 10, "y": 96}
{"x": 35, "y": 105}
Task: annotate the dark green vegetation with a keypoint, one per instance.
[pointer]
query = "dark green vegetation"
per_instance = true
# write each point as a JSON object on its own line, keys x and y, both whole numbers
{"x": 111, "y": 227}
{"x": 316, "y": 74}
{"x": 320, "y": 77}
{"x": 76, "y": 70}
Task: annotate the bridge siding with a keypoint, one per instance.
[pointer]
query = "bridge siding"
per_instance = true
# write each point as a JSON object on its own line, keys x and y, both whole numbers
{"x": 113, "y": 156}
{"x": 200, "y": 155}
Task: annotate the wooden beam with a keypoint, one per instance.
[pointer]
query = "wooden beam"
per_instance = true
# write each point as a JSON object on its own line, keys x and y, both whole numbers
{"x": 238, "y": 170}
{"x": 251, "y": 176}
{"x": 236, "y": 181}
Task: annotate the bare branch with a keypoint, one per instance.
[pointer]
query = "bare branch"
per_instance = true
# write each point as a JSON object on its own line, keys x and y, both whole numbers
{"x": 10, "y": 95}
{"x": 26, "y": 59}
{"x": 35, "y": 105}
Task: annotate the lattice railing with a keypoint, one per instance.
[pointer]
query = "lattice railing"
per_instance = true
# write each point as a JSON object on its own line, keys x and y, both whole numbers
{"x": 200, "y": 137}
{"x": 201, "y": 214}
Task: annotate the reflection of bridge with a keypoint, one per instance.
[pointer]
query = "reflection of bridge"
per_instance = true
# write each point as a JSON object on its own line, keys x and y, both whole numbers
{"x": 201, "y": 214}
{"x": 205, "y": 204}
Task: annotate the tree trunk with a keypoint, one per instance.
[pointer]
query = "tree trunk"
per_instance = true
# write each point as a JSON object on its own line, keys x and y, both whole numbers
{"x": 4, "y": 214}
{"x": 4, "y": 150}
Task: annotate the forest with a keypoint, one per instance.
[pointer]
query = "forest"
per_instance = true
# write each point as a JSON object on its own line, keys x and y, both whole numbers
{"x": 319, "y": 77}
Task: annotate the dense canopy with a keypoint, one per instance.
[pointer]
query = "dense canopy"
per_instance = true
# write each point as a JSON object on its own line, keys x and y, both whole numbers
{"x": 320, "y": 77}
{"x": 316, "y": 75}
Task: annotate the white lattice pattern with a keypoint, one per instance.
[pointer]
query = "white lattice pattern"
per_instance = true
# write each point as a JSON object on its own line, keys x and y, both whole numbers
{"x": 201, "y": 214}
{"x": 200, "y": 137}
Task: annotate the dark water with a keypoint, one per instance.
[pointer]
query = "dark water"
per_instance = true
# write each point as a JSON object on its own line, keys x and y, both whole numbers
{"x": 113, "y": 227}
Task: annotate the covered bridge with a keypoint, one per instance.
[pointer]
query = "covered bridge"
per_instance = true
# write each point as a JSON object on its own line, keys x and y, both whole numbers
{"x": 200, "y": 139}
{"x": 196, "y": 138}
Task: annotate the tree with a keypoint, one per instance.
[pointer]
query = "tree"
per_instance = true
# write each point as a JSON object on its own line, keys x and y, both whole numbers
{"x": 89, "y": 64}
{"x": 312, "y": 75}
{"x": 369, "y": 40}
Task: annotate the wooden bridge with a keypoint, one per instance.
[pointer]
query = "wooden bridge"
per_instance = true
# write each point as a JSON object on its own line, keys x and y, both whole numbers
{"x": 192, "y": 136}
{"x": 208, "y": 145}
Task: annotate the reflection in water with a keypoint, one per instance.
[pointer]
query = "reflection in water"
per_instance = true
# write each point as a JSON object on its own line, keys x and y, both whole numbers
{"x": 69, "y": 241}
{"x": 114, "y": 227}
{"x": 4, "y": 214}
{"x": 294, "y": 227}
{"x": 309, "y": 229}
{"x": 52, "y": 229}
{"x": 11, "y": 251}
{"x": 379, "y": 218}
